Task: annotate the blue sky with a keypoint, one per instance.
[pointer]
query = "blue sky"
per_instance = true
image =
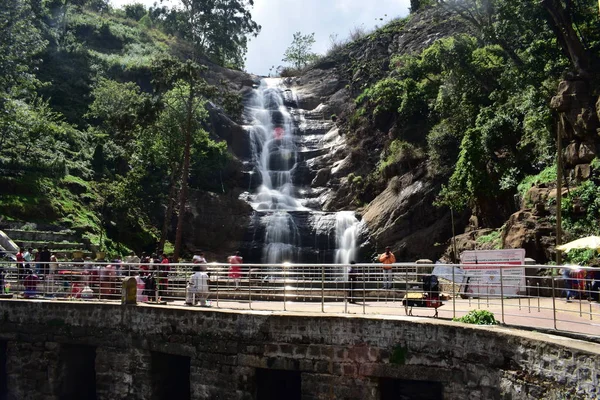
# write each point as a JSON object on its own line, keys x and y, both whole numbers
{"x": 281, "y": 18}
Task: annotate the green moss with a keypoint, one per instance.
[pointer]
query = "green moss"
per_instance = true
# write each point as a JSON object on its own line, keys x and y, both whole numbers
{"x": 493, "y": 237}
{"x": 399, "y": 354}
{"x": 548, "y": 175}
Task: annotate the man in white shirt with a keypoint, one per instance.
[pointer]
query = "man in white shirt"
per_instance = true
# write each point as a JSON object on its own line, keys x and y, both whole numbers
{"x": 197, "y": 289}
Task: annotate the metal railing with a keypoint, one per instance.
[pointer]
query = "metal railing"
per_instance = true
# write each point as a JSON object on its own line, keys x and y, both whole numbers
{"x": 535, "y": 299}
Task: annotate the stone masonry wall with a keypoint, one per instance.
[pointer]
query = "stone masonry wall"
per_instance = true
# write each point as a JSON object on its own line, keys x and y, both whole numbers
{"x": 338, "y": 357}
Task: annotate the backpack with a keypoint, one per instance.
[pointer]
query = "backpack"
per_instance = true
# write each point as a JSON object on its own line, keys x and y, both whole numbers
{"x": 431, "y": 285}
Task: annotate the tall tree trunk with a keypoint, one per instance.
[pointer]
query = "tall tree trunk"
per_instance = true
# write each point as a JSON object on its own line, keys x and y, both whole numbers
{"x": 563, "y": 27}
{"x": 169, "y": 210}
{"x": 184, "y": 172}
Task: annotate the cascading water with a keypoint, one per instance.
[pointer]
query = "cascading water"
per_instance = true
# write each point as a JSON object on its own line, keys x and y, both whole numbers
{"x": 346, "y": 232}
{"x": 277, "y": 137}
{"x": 274, "y": 154}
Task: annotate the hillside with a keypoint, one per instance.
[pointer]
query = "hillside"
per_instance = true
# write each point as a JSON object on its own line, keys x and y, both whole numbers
{"x": 444, "y": 115}
{"x": 116, "y": 122}
{"x": 89, "y": 142}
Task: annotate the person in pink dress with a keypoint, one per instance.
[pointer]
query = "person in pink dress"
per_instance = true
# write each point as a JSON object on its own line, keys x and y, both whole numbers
{"x": 235, "y": 269}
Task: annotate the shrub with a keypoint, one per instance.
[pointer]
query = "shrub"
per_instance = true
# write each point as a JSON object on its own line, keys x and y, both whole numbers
{"x": 478, "y": 317}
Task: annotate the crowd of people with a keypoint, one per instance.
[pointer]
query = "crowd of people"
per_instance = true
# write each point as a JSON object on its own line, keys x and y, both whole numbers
{"x": 152, "y": 275}
{"x": 38, "y": 272}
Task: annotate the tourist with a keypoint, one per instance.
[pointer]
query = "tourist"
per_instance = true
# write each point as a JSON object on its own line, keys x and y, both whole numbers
{"x": 197, "y": 289}
{"x": 352, "y": 279}
{"x": 163, "y": 271}
{"x": 45, "y": 260}
{"x": 594, "y": 282}
{"x": 27, "y": 257}
{"x": 235, "y": 268}
{"x": 132, "y": 261}
{"x": 387, "y": 259}
{"x": 38, "y": 255}
{"x": 31, "y": 281}
{"x": 199, "y": 258}
{"x": 21, "y": 271}
{"x": 49, "y": 280}
{"x": 144, "y": 262}
{"x": 568, "y": 283}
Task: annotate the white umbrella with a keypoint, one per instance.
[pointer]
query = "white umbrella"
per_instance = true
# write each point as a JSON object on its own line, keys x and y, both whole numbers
{"x": 590, "y": 242}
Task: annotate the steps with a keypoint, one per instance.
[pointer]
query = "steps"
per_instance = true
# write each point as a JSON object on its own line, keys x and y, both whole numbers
{"x": 62, "y": 242}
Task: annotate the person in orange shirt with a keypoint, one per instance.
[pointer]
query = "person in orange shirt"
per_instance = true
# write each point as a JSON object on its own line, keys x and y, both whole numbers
{"x": 387, "y": 259}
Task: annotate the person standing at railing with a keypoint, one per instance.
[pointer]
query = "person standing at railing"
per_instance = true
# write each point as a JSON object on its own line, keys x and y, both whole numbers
{"x": 163, "y": 271}
{"x": 387, "y": 259}
{"x": 21, "y": 271}
{"x": 132, "y": 258}
{"x": 594, "y": 282}
{"x": 568, "y": 282}
{"x": 199, "y": 258}
{"x": 27, "y": 256}
{"x": 45, "y": 260}
{"x": 352, "y": 279}
{"x": 235, "y": 268}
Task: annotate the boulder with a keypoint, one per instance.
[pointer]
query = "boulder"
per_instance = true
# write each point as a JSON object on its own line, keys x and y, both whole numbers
{"x": 527, "y": 231}
{"x": 582, "y": 172}
{"x": 322, "y": 177}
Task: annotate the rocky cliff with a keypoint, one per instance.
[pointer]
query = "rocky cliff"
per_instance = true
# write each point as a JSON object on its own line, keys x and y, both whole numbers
{"x": 398, "y": 207}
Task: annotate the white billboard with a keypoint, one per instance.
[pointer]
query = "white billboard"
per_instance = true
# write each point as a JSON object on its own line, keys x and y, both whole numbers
{"x": 482, "y": 272}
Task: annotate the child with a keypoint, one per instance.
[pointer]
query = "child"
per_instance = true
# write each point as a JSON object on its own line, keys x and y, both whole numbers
{"x": 198, "y": 286}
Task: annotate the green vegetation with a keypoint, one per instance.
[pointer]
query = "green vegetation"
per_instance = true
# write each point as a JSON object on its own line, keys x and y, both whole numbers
{"x": 494, "y": 237}
{"x": 102, "y": 125}
{"x": 548, "y": 175}
{"x": 475, "y": 104}
{"x": 478, "y": 317}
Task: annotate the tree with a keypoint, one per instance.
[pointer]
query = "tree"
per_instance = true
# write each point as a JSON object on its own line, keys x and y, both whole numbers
{"x": 299, "y": 54}
{"x": 562, "y": 23}
{"x": 186, "y": 104}
{"x": 218, "y": 29}
{"x": 20, "y": 42}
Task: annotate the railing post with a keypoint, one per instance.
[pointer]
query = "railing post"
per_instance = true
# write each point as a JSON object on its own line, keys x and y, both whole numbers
{"x": 284, "y": 288}
{"x": 364, "y": 292}
{"x": 529, "y": 295}
{"x": 553, "y": 300}
{"x": 346, "y": 285}
{"x": 538, "y": 293}
{"x": 322, "y": 287}
{"x": 502, "y": 293}
{"x": 453, "y": 293}
{"x": 249, "y": 288}
{"x": 217, "y": 288}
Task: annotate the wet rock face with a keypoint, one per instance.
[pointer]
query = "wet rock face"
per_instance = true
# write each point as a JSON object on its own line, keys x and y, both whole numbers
{"x": 215, "y": 223}
{"x": 403, "y": 217}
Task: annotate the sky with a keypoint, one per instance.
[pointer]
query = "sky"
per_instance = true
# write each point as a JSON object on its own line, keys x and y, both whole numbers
{"x": 281, "y": 18}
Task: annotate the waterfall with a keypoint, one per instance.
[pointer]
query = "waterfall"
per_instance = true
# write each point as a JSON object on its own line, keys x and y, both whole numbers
{"x": 274, "y": 155}
{"x": 289, "y": 223}
{"x": 346, "y": 232}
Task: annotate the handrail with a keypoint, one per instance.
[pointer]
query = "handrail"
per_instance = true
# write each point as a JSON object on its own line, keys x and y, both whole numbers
{"x": 515, "y": 297}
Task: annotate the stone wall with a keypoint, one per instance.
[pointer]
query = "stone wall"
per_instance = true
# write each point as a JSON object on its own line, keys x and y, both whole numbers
{"x": 336, "y": 356}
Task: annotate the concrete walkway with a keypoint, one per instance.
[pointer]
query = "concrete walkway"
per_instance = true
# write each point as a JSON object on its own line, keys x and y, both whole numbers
{"x": 576, "y": 317}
